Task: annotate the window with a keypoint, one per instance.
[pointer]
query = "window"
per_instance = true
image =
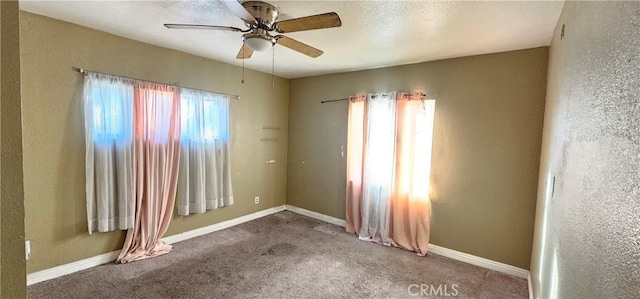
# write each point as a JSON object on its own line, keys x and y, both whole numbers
{"x": 204, "y": 116}
{"x": 205, "y": 177}
{"x": 381, "y": 133}
{"x": 419, "y": 127}
{"x": 155, "y": 104}
{"x": 111, "y": 107}
{"x": 107, "y": 113}
{"x": 108, "y": 109}
{"x": 388, "y": 169}
{"x": 117, "y": 110}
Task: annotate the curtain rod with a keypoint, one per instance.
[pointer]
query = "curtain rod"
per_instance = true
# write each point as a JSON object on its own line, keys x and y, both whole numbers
{"x": 422, "y": 95}
{"x": 82, "y": 71}
{"x": 338, "y": 100}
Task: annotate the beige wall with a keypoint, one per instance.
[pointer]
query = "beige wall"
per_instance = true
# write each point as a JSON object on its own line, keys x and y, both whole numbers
{"x": 12, "y": 263}
{"x": 53, "y": 136}
{"x": 487, "y": 135}
{"x": 587, "y": 236}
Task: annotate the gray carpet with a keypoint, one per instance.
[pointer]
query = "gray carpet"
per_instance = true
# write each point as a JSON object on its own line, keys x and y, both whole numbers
{"x": 284, "y": 255}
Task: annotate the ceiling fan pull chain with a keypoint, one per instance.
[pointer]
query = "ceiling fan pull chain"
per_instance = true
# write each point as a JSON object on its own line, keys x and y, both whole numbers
{"x": 243, "y": 58}
{"x": 273, "y": 61}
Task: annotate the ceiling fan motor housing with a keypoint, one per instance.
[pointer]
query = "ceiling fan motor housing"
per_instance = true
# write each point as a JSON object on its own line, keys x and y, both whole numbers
{"x": 265, "y": 13}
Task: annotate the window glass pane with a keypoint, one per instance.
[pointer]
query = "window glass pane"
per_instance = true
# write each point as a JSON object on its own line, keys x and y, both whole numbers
{"x": 154, "y": 110}
{"x": 111, "y": 111}
{"x": 422, "y": 147}
{"x": 204, "y": 116}
{"x": 355, "y": 140}
{"x": 187, "y": 117}
{"x": 212, "y": 118}
{"x": 381, "y": 133}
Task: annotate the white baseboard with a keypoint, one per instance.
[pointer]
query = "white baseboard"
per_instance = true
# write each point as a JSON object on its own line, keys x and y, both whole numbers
{"x": 87, "y": 263}
{"x": 435, "y": 249}
{"x": 316, "y": 215}
{"x": 69, "y": 268}
{"x": 111, "y": 256}
{"x": 478, "y": 261}
{"x": 221, "y": 225}
{"x": 530, "y": 285}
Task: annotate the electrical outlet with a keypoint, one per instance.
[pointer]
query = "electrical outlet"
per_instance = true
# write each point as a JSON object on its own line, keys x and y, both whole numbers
{"x": 27, "y": 249}
{"x": 257, "y": 199}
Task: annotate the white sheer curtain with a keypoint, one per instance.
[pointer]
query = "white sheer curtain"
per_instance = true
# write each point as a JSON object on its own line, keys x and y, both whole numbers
{"x": 379, "y": 165}
{"x": 388, "y": 169}
{"x": 108, "y": 108}
{"x": 204, "y": 181}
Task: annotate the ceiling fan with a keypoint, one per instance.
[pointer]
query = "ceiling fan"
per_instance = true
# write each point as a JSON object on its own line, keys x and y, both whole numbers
{"x": 261, "y": 19}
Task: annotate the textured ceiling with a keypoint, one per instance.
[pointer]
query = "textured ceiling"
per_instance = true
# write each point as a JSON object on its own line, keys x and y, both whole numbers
{"x": 373, "y": 33}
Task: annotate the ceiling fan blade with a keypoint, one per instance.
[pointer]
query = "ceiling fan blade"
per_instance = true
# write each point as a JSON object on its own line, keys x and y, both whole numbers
{"x": 239, "y": 10}
{"x": 326, "y": 20}
{"x": 298, "y": 46}
{"x": 202, "y": 27}
{"x": 245, "y": 52}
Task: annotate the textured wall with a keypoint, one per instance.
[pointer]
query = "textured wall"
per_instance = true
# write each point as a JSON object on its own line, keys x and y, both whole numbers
{"x": 53, "y": 132}
{"x": 12, "y": 263}
{"x": 486, "y": 148}
{"x": 587, "y": 237}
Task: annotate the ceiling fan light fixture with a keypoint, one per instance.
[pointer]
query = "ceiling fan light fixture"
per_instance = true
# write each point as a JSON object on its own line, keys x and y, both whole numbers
{"x": 259, "y": 42}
